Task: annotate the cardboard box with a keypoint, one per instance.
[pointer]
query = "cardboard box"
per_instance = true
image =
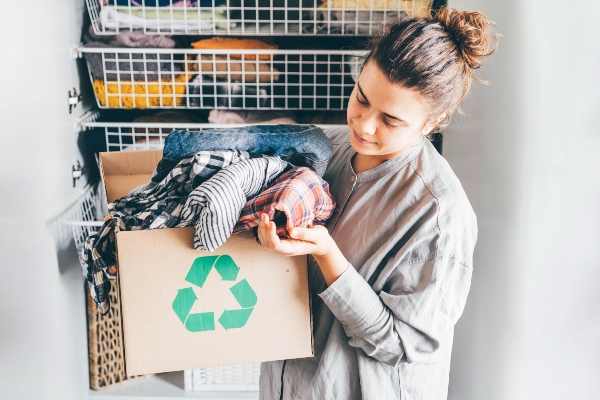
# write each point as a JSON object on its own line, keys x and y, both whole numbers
{"x": 184, "y": 309}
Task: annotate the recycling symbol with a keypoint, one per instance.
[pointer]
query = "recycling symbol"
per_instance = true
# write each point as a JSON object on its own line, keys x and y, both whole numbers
{"x": 197, "y": 275}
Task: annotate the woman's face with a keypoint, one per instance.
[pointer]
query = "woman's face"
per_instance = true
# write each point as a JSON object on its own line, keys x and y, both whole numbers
{"x": 385, "y": 118}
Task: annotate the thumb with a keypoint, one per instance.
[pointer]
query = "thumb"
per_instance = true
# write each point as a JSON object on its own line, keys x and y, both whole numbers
{"x": 302, "y": 234}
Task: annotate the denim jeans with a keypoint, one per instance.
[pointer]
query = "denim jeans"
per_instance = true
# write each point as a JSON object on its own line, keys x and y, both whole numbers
{"x": 300, "y": 145}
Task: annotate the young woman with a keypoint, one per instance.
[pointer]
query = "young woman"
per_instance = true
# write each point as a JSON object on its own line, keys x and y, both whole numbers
{"x": 391, "y": 271}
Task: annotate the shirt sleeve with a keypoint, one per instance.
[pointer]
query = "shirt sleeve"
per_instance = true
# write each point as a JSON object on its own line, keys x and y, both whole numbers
{"x": 425, "y": 300}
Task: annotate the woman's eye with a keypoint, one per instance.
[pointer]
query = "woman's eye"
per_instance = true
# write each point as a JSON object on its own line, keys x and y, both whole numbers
{"x": 361, "y": 101}
{"x": 385, "y": 121}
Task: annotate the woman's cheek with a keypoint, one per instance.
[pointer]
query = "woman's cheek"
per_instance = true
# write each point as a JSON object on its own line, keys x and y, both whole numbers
{"x": 353, "y": 111}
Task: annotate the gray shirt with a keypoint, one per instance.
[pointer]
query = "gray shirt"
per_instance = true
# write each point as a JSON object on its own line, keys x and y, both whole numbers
{"x": 384, "y": 328}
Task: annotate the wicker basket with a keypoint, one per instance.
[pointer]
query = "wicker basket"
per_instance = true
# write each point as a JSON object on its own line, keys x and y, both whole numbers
{"x": 105, "y": 343}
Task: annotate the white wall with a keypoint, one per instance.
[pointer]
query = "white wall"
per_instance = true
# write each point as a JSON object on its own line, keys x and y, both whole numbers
{"x": 43, "y": 350}
{"x": 528, "y": 155}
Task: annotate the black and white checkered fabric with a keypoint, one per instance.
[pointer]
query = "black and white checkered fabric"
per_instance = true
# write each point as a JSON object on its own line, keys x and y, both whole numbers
{"x": 157, "y": 204}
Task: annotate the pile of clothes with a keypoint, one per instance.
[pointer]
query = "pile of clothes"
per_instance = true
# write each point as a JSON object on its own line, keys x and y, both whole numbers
{"x": 220, "y": 181}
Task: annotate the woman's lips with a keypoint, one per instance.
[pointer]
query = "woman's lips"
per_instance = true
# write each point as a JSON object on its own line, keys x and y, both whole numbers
{"x": 359, "y": 139}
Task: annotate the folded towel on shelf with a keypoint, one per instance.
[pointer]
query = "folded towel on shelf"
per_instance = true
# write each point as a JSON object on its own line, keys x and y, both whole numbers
{"x": 222, "y": 43}
{"x": 251, "y": 117}
{"x": 141, "y": 94}
{"x": 181, "y": 20}
{"x": 129, "y": 39}
{"x": 230, "y": 69}
{"x": 298, "y": 198}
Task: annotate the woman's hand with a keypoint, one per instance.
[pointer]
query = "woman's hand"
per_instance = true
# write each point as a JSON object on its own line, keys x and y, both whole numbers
{"x": 314, "y": 240}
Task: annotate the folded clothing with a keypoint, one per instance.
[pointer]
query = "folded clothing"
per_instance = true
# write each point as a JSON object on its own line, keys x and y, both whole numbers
{"x": 229, "y": 69}
{"x": 276, "y": 11}
{"x": 205, "y": 92}
{"x": 365, "y": 22}
{"x": 251, "y": 117}
{"x": 415, "y": 8}
{"x": 298, "y": 198}
{"x": 164, "y": 20}
{"x": 214, "y": 207}
{"x": 300, "y": 145}
{"x": 140, "y": 94}
{"x": 135, "y": 39}
{"x": 157, "y": 204}
{"x": 217, "y": 43}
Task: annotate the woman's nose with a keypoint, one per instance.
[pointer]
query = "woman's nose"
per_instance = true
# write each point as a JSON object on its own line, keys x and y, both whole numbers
{"x": 367, "y": 125}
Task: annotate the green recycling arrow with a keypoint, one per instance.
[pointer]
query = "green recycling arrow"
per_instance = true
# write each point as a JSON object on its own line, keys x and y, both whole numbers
{"x": 231, "y": 319}
{"x": 183, "y": 302}
{"x": 197, "y": 275}
{"x": 182, "y": 305}
{"x": 201, "y": 267}
{"x": 244, "y": 294}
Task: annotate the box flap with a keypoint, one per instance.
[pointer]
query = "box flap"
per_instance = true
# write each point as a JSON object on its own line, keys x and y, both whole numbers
{"x": 124, "y": 170}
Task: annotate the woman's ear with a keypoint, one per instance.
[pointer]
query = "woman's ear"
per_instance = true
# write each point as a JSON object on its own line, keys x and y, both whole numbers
{"x": 432, "y": 124}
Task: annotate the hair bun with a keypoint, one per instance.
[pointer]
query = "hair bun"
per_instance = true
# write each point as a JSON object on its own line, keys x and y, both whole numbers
{"x": 470, "y": 31}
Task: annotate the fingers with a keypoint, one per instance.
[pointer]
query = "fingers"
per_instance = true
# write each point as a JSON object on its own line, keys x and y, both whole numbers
{"x": 311, "y": 234}
{"x": 267, "y": 232}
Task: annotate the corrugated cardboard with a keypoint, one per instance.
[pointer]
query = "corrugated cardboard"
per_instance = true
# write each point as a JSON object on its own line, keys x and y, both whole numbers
{"x": 153, "y": 266}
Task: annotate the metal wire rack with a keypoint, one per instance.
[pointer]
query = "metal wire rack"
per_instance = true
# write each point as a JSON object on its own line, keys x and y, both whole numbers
{"x": 132, "y": 136}
{"x": 85, "y": 218}
{"x": 242, "y": 377}
{"x": 233, "y": 79}
{"x": 250, "y": 17}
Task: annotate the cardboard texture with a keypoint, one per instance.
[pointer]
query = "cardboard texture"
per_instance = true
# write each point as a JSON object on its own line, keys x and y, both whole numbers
{"x": 185, "y": 309}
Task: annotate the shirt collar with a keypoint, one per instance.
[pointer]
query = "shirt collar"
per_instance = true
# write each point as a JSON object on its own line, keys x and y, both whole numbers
{"x": 390, "y": 166}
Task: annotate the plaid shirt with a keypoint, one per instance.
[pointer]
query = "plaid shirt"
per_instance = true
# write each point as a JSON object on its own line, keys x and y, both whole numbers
{"x": 298, "y": 198}
{"x": 157, "y": 204}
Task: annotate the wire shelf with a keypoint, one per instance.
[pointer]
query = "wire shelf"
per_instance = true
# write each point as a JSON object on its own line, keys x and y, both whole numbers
{"x": 85, "y": 218}
{"x": 133, "y": 136}
{"x": 250, "y": 17}
{"x": 226, "y": 79}
{"x": 242, "y": 377}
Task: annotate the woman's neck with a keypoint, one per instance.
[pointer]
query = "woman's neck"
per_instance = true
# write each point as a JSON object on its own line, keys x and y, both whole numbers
{"x": 362, "y": 162}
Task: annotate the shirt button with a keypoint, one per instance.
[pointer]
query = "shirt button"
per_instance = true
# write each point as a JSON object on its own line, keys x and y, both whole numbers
{"x": 352, "y": 178}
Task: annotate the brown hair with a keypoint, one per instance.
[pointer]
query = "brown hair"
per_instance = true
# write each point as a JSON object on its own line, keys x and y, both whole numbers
{"x": 435, "y": 55}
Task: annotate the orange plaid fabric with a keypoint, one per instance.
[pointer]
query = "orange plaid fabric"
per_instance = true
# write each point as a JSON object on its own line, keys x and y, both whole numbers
{"x": 298, "y": 198}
